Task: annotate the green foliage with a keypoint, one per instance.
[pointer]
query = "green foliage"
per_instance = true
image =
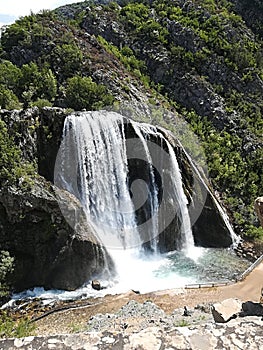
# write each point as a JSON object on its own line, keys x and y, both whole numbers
{"x": 237, "y": 176}
{"x": 6, "y": 267}
{"x": 68, "y": 58}
{"x": 18, "y": 329}
{"x": 182, "y": 323}
{"x": 6, "y": 264}
{"x": 8, "y": 100}
{"x": 84, "y": 93}
{"x": 37, "y": 83}
{"x": 9, "y": 74}
{"x": 135, "y": 14}
{"x": 12, "y": 167}
{"x": 138, "y": 17}
{"x": 129, "y": 60}
{"x": 40, "y": 103}
{"x": 25, "y": 32}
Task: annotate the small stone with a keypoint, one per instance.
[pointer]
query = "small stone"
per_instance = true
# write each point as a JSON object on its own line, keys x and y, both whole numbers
{"x": 186, "y": 312}
{"x": 96, "y": 285}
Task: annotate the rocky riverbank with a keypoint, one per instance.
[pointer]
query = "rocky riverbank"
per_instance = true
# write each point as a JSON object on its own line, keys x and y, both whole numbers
{"x": 146, "y": 326}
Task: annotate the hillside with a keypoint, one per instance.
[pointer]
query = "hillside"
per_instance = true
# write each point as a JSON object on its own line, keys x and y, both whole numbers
{"x": 199, "y": 59}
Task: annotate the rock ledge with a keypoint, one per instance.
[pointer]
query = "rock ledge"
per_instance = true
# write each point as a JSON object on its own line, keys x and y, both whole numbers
{"x": 236, "y": 334}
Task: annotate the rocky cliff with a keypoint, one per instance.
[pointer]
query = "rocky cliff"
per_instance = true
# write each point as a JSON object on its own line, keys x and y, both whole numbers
{"x": 199, "y": 60}
{"x": 202, "y": 60}
{"x": 49, "y": 249}
{"x": 45, "y": 229}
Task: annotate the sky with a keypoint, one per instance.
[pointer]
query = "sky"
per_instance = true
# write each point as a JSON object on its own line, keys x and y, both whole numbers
{"x": 10, "y": 10}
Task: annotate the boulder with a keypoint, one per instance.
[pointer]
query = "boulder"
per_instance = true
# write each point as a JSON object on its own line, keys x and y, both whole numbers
{"x": 259, "y": 209}
{"x": 249, "y": 308}
{"x": 226, "y": 310}
{"x": 95, "y": 284}
{"x": 51, "y": 249}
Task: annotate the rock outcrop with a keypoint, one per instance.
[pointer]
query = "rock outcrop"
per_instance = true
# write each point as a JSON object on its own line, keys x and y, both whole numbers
{"x": 234, "y": 335}
{"x": 49, "y": 250}
{"x": 226, "y": 310}
{"x": 231, "y": 308}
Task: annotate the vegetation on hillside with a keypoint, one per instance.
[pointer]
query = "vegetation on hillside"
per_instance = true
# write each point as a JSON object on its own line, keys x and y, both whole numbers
{"x": 45, "y": 75}
{"x": 45, "y": 60}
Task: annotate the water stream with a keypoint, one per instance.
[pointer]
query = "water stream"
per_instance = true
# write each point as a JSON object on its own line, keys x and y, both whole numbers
{"x": 94, "y": 166}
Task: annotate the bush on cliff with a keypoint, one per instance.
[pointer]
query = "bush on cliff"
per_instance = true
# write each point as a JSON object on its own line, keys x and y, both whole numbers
{"x": 13, "y": 169}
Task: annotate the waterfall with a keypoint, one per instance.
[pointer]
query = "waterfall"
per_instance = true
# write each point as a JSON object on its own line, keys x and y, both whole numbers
{"x": 95, "y": 169}
{"x": 178, "y": 196}
{"x": 143, "y": 131}
{"x": 186, "y": 231}
{"x": 96, "y": 164}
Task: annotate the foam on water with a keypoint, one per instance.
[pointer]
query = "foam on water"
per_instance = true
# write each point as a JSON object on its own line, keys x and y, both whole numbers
{"x": 154, "y": 273}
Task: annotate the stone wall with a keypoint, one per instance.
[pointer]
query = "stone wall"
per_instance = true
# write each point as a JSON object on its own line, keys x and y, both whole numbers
{"x": 237, "y": 334}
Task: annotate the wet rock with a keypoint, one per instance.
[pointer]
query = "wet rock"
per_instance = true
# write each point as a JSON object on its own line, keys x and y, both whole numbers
{"x": 226, "y": 310}
{"x": 96, "y": 285}
{"x": 60, "y": 251}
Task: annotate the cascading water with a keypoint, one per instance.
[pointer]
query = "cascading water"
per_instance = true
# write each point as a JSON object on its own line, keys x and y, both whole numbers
{"x": 97, "y": 147}
{"x": 187, "y": 237}
{"x": 178, "y": 195}
{"x": 94, "y": 167}
{"x": 143, "y": 131}
{"x": 127, "y": 177}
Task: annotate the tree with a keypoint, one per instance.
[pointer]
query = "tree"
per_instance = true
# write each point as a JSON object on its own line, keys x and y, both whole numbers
{"x": 8, "y": 100}
{"x": 83, "y": 93}
{"x": 9, "y": 74}
{"x": 68, "y": 59}
{"x": 37, "y": 83}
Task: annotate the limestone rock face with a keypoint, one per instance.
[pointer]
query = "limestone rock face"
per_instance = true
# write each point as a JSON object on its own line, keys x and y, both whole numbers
{"x": 247, "y": 335}
{"x": 227, "y": 309}
{"x": 259, "y": 209}
{"x": 49, "y": 250}
{"x": 208, "y": 227}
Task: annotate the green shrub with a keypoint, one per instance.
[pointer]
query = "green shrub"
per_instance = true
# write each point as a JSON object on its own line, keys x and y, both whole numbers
{"x": 84, "y": 93}
{"x": 8, "y": 100}
{"x": 9, "y": 75}
{"x": 18, "y": 329}
{"x": 37, "y": 83}
{"x": 68, "y": 59}
{"x": 253, "y": 232}
{"x": 40, "y": 103}
{"x": 6, "y": 267}
{"x": 12, "y": 167}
